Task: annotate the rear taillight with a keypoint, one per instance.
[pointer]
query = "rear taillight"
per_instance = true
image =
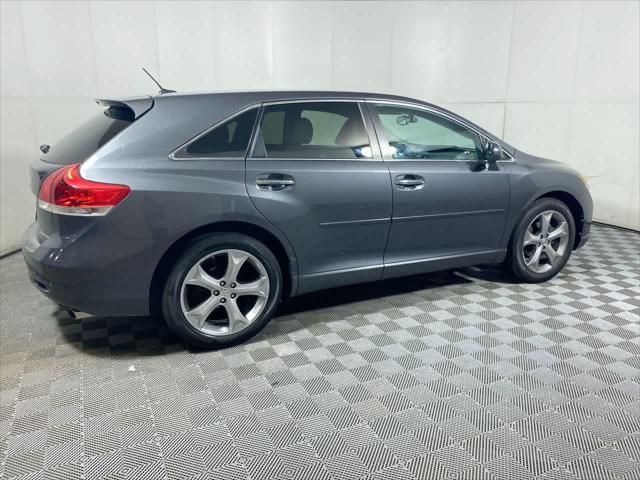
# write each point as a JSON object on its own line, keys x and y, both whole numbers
{"x": 65, "y": 191}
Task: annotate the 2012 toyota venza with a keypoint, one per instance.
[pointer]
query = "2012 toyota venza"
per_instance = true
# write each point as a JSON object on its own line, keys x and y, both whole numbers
{"x": 211, "y": 208}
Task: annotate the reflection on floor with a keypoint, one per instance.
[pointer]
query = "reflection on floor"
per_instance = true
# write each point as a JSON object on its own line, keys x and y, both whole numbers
{"x": 462, "y": 374}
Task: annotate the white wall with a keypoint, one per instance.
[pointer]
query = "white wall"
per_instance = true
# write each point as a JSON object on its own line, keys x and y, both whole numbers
{"x": 558, "y": 79}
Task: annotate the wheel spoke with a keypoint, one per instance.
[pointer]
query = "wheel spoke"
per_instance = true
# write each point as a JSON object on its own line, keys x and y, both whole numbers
{"x": 552, "y": 254}
{"x": 561, "y": 231}
{"x": 535, "y": 258}
{"x": 237, "y": 320}
{"x": 258, "y": 288}
{"x": 198, "y": 315}
{"x": 545, "y": 222}
{"x": 224, "y": 292}
{"x": 530, "y": 239}
{"x": 550, "y": 241}
{"x": 236, "y": 260}
{"x": 197, "y": 276}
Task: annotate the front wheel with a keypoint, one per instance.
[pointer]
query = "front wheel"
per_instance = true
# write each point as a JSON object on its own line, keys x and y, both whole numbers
{"x": 542, "y": 241}
{"x": 222, "y": 290}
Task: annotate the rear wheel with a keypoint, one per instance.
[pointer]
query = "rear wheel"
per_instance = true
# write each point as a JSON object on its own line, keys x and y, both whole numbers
{"x": 542, "y": 241}
{"x": 223, "y": 289}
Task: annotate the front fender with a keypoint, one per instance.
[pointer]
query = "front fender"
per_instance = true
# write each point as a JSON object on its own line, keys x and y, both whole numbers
{"x": 530, "y": 182}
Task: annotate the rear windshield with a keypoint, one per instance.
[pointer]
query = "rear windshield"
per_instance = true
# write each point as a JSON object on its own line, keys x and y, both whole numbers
{"x": 85, "y": 140}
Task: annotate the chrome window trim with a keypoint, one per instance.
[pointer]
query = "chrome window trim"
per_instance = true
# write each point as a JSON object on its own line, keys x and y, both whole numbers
{"x": 356, "y": 100}
{"x": 313, "y": 100}
{"x": 174, "y": 155}
{"x": 440, "y": 113}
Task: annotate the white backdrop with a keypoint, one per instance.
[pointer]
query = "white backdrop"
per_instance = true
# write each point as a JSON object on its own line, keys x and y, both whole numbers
{"x": 558, "y": 79}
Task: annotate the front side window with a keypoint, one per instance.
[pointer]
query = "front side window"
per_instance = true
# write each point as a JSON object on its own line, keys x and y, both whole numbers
{"x": 412, "y": 133}
{"x": 229, "y": 140}
{"x": 309, "y": 130}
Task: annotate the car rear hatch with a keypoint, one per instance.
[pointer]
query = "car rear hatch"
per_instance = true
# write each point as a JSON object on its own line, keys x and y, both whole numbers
{"x": 77, "y": 147}
{"x": 89, "y": 137}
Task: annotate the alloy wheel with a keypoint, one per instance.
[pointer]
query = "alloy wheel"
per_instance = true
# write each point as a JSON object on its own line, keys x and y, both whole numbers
{"x": 224, "y": 292}
{"x": 545, "y": 241}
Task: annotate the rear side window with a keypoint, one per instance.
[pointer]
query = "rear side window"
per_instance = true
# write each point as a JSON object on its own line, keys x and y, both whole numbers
{"x": 229, "y": 140}
{"x": 85, "y": 140}
{"x": 312, "y": 130}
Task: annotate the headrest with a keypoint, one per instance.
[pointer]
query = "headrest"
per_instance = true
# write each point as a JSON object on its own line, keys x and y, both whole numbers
{"x": 352, "y": 134}
{"x": 302, "y": 132}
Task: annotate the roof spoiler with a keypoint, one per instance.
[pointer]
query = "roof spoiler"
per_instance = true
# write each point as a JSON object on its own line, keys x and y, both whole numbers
{"x": 138, "y": 105}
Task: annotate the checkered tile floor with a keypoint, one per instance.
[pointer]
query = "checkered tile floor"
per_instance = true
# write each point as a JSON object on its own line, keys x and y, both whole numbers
{"x": 457, "y": 375}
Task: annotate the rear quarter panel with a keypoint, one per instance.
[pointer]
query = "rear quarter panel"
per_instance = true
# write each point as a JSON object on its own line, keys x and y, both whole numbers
{"x": 171, "y": 198}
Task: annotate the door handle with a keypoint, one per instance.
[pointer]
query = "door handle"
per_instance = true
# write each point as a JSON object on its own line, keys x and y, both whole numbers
{"x": 409, "y": 182}
{"x": 274, "y": 181}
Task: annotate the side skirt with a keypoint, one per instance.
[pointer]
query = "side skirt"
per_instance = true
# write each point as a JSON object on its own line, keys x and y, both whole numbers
{"x": 339, "y": 278}
{"x": 412, "y": 267}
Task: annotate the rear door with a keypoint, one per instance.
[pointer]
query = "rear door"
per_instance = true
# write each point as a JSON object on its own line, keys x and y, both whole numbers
{"x": 449, "y": 205}
{"x": 314, "y": 174}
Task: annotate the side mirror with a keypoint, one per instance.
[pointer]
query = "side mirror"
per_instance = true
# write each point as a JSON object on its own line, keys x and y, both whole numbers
{"x": 493, "y": 152}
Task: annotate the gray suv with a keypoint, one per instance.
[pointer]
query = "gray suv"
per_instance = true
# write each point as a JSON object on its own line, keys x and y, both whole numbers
{"x": 211, "y": 208}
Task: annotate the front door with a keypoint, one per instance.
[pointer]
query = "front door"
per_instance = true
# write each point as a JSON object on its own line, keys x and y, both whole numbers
{"x": 449, "y": 206}
{"x": 312, "y": 173}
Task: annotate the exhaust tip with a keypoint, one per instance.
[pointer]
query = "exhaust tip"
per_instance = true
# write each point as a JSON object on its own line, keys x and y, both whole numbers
{"x": 78, "y": 315}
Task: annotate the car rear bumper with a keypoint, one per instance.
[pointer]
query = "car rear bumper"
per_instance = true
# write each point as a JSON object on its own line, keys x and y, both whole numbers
{"x": 97, "y": 271}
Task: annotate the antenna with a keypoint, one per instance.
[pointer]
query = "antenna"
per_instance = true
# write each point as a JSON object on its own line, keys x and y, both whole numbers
{"x": 162, "y": 90}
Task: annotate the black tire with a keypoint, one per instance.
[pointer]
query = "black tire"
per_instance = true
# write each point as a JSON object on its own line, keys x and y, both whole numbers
{"x": 194, "y": 251}
{"x": 515, "y": 260}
